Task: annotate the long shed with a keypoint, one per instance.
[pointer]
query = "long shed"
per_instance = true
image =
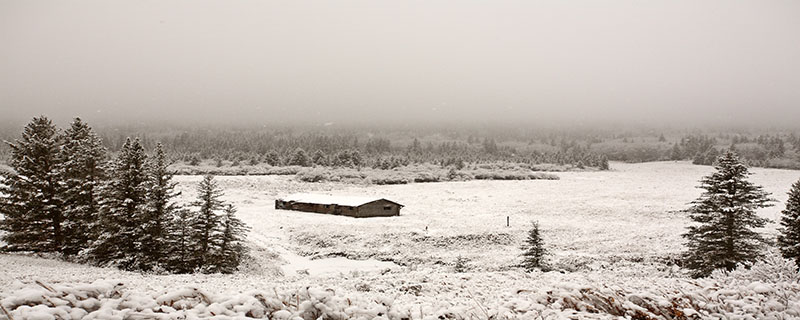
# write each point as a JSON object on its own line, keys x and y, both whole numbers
{"x": 359, "y": 207}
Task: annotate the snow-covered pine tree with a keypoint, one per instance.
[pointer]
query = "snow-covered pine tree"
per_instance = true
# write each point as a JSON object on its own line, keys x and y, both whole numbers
{"x": 81, "y": 170}
{"x": 356, "y": 159}
{"x": 299, "y": 158}
{"x": 461, "y": 265}
{"x": 272, "y": 158}
{"x": 180, "y": 253}
{"x": 533, "y": 256}
{"x": 604, "y": 163}
{"x": 675, "y": 153}
{"x": 121, "y": 209}
{"x": 725, "y": 214}
{"x": 7, "y": 204}
{"x": 32, "y": 211}
{"x": 789, "y": 236}
{"x": 319, "y": 158}
{"x": 207, "y": 221}
{"x": 230, "y": 248}
{"x": 158, "y": 212}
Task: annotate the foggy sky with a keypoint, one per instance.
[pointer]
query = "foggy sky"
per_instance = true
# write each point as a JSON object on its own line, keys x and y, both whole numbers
{"x": 358, "y": 61}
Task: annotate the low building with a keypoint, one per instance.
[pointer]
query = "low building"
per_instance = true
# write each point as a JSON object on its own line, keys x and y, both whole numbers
{"x": 359, "y": 207}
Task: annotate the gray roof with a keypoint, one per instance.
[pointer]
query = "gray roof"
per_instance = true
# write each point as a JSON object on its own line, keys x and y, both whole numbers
{"x": 349, "y": 201}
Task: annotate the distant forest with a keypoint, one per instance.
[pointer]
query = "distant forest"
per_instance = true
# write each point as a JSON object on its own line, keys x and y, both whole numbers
{"x": 391, "y": 147}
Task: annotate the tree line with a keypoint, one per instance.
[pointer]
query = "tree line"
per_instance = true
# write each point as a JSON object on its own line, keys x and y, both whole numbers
{"x": 64, "y": 196}
{"x": 388, "y": 147}
{"x": 352, "y": 147}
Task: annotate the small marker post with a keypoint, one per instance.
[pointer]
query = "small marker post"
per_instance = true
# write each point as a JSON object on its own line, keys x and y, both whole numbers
{"x": 508, "y": 221}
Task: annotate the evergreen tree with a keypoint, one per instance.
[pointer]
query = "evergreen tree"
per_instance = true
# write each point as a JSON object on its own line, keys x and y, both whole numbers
{"x": 356, "y": 158}
{"x": 789, "y": 237}
{"x": 230, "y": 243}
{"x": 32, "y": 208}
{"x": 706, "y": 158}
{"x": 158, "y": 212}
{"x": 534, "y": 253}
{"x": 81, "y": 170}
{"x": 121, "y": 209}
{"x": 272, "y": 158}
{"x": 9, "y": 208}
{"x": 180, "y": 253}
{"x": 461, "y": 265}
{"x": 299, "y": 158}
{"x": 207, "y": 221}
{"x": 320, "y": 158}
{"x": 675, "y": 153}
{"x": 725, "y": 214}
{"x": 604, "y": 163}
{"x": 194, "y": 160}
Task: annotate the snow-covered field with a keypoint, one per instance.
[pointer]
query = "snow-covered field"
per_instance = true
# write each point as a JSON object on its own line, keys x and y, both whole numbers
{"x": 617, "y": 231}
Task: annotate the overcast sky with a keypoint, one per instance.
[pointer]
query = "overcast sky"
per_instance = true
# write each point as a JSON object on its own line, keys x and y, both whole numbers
{"x": 355, "y": 61}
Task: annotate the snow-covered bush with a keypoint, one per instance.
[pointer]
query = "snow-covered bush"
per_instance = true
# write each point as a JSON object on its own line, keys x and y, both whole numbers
{"x": 417, "y": 296}
{"x": 285, "y": 170}
{"x": 420, "y": 174}
{"x": 773, "y": 268}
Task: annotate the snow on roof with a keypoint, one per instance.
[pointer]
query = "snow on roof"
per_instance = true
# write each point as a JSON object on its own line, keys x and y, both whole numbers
{"x": 350, "y": 201}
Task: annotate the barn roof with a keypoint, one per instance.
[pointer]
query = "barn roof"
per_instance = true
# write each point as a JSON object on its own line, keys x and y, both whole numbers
{"x": 350, "y": 201}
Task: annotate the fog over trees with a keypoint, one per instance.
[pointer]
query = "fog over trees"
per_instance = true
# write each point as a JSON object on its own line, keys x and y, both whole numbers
{"x": 362, "y": 62}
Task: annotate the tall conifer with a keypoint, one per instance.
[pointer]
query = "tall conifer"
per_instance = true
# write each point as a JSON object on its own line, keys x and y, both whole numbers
{"x": 81, "y": 170}
{"x": 789, "y": 237}
{"x": 122, "y": 208}
{"x": 180, "y": 254}
{"x": 230, "y": 248}
{"x": 725, "y": 215}
{"x": 32, "y": 208}
{"x": 158, "y": 212}
{"x": 207, "y": 221}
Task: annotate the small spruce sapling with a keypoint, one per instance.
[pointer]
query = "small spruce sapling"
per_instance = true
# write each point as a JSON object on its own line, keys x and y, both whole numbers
{"x": 461, "y": 265}
{"x": 534, "y": 254}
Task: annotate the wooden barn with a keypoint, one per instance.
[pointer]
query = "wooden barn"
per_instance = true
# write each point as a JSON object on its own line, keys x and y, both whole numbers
{"x": 359, "y": 207}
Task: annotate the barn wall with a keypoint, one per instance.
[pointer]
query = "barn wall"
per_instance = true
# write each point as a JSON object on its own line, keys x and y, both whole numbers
{"x": 313, "y": 207}
{"x": 380, "y": 208}
{"x": 349, "y": 211}
{"x": 376, "y": 209}
{"x": 317, "y": 208}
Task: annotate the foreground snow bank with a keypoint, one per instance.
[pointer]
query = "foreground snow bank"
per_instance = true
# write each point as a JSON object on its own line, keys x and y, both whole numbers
{"x": 756, "y": 293}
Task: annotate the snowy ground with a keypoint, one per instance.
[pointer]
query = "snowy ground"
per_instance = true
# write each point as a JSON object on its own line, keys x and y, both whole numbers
{"x": 620, "y": 228}
{"x": 627, "y": 220}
